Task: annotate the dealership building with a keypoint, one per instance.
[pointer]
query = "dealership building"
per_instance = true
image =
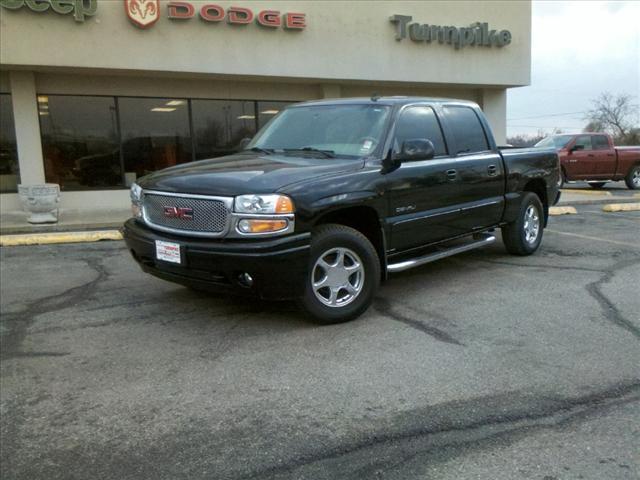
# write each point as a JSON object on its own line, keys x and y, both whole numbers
{"x": 96, "y": 93}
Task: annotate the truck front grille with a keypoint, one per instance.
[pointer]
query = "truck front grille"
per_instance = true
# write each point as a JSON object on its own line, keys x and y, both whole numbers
{"x": 186, "y": 213}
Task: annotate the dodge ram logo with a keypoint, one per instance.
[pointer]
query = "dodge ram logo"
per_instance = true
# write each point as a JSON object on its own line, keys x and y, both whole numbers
{"x": 143, "y": 13}
{"x": 184, "y": 213}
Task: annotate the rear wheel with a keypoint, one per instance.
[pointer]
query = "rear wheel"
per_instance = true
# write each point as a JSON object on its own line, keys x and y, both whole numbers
{"x": 524, "y": 235}
{"x": 344, "y": 274}
{"x": 633, "y": 178}
{"x": 597, "y": 185}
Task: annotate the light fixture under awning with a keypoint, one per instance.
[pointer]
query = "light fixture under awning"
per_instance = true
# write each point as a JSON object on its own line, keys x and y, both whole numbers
{"x": 163, "y": 109}
{"x": 269, "y": 112}
{"x": 246, "y": 117}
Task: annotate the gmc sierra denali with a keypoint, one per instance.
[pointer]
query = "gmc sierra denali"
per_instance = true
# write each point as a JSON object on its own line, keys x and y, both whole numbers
{"x": 332, "y": 196}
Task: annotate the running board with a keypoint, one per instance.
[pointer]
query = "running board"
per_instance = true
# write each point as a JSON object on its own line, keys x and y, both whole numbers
{"x": 481, "y": 241}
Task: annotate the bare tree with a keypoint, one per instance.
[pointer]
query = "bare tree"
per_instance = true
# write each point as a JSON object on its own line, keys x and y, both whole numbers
{"x": 612, "y": 113}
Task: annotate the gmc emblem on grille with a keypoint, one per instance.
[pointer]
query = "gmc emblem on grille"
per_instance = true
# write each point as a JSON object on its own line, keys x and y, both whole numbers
{"x": 185, "y": 213}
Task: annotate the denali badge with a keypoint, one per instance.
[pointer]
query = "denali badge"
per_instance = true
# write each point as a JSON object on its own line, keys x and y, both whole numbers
{"x": 143, "y": 13}
{"x": 184, "y": 213}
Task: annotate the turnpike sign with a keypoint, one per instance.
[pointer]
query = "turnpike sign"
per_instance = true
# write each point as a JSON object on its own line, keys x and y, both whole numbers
{"x": 477, "y": 34}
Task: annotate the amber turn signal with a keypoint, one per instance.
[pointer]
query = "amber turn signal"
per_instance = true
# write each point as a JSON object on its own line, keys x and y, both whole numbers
{"x": 261, "y": 226}
{"x": 284, "y": 205}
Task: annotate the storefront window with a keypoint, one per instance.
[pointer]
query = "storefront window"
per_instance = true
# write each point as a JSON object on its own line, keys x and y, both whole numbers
{"x": 220, "y": 125}
{"x": 80, "y": 141}
{"x": 9, "y": 170}
{"x": 155, "y": 134}
{"x": 268, "y": 110}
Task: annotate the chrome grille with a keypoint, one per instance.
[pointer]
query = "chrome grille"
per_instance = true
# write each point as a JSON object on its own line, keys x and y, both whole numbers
{"x": 208, "y": 215}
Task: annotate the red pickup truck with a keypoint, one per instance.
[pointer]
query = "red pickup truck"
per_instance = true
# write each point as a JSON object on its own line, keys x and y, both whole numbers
{"x": 592, "y": 157}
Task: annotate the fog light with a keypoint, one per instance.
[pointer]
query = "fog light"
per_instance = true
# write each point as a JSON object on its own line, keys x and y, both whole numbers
{"x": 245, "y": 279}
{"x": 261, "y": 226}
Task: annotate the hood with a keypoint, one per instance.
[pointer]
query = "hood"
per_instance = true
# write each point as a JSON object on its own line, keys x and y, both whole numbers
{"x": 245, "y": 173}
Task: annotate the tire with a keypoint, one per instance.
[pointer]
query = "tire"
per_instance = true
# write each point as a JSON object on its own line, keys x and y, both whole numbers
{"x": 597, "y": 185}
{"x": 563, "y": 178}
{"x": 633, "y": 178}
{"x": 517, "y": 235}
{"x": 335, "y": 250}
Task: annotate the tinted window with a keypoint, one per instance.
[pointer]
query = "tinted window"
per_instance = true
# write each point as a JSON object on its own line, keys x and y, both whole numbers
{"x": 220, "y": 125}
{"x": 420, "y": 122}
{"x": 80, "y": 141}
{"x": 556, "y": 141}
{"x": 267, "y": 110}
{"x": 467, "y": 129}
{"x": 584, "y": 141}
{"x": 9, "y": 171}
{"x": 155, "y": 134}
{"x": 600, "y": 142}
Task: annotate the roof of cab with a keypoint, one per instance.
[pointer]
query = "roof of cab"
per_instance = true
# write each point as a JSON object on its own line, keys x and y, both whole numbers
{"x": 394, "y": 100}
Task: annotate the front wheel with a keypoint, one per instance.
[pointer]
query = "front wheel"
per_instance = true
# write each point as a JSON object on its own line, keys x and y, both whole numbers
{"x": 524, "y": 235}
{"x": 344, "y": 274}
{"x": 633, "y": 178}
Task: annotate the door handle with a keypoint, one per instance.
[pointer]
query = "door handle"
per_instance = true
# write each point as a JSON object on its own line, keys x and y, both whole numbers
{"x": 591, "y": 155}
{"x": 493, "y": 171}
{"x": 452, "y": 174}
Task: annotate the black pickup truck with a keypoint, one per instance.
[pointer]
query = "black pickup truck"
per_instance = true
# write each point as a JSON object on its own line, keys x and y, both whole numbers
{"x": 330, "y": 197}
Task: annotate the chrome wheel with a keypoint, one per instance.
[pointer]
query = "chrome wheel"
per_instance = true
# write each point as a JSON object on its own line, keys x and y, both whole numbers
{"x": 337, "y": 277}
{"x": 635, "y": 179}
{"x": 531, "y": 224}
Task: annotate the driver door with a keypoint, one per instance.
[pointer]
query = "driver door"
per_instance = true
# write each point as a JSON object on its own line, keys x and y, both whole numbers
{"x": 422, "y": 195}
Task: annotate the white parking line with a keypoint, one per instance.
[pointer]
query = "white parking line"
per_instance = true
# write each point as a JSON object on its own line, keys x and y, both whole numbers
{"x": 586, "y": 237}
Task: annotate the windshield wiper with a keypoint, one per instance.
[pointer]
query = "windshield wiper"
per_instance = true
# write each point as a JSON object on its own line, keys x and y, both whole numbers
{"x": 326, "y": 153}
{"x": 268, "y": 151}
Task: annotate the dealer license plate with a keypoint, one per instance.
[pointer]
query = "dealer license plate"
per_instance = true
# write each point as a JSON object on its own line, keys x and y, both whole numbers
{"x": 168, "y": 251}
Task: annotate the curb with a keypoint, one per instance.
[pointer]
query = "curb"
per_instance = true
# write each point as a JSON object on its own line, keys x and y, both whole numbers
{"x": 621, "y": 207}
{"x": 601, "y": 193}
{"x": 600, "y": 201}
{"x": 553, "y": 211}
{"x": 52, "y": 238}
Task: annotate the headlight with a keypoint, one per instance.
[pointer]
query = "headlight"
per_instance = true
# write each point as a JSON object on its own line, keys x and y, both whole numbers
{"x": 136, "y": 192}
{"x": 136, "y": 200}
{"x": 263, "y": 204}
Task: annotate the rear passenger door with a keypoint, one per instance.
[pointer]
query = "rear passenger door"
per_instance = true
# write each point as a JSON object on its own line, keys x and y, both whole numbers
{"x": 605, "y": 156}
{"x": 479, "y": 170}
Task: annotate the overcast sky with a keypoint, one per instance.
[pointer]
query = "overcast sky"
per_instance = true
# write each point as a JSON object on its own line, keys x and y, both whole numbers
{"x": 579, "y": 50}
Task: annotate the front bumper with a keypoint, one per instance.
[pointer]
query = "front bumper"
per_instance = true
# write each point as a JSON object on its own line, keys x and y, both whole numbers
{"x": 278, "y": 266}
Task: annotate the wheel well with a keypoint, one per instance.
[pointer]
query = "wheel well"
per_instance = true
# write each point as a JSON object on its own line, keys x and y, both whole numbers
{"x": 366, "y": 221}
{"x": 539, "y": 187}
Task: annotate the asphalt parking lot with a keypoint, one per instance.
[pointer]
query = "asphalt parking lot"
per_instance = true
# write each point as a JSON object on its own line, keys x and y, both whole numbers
{"x": 481, "y": 366}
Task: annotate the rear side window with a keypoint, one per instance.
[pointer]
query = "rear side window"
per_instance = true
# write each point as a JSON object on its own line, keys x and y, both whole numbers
{"x": 600, "y": 142}
{"x": 584, "y": 141}
{"x": 420, "y": 122}
{"x": 467, "y": 129}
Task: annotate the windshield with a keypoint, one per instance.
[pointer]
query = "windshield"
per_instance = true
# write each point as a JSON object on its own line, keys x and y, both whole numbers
{"x": 555, "y": 141}
{"x": 348, "y": 131}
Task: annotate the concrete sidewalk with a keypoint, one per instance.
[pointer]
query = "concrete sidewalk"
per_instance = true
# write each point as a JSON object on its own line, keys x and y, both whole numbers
{"x": 69, "y": 220}
{"x": 573, "y": 196}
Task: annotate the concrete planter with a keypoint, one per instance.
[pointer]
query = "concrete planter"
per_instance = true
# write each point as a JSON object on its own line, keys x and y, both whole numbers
{"x": 41, "y": 201}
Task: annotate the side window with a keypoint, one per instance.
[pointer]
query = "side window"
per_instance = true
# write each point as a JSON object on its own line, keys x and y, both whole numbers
{"x": 467, "y": 129}
{"x": 585, "y": 141}
{"x": 600, "y": 142}
{"x": 420, "y": 122}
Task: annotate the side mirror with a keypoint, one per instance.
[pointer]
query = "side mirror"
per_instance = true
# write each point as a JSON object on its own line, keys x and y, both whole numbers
{"x": 244, "y": 142}
{"x": 575, "y": 148}
{"x": 415, "y": 149}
